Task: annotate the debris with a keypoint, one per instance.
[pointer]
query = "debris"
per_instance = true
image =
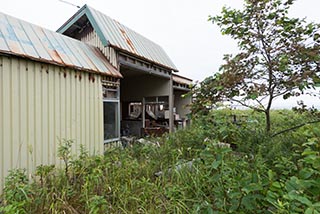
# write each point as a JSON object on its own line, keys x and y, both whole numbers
{"x": 127, "y": 141}
{"x": 147, "y": 142}
{"x": 187, "y": 165}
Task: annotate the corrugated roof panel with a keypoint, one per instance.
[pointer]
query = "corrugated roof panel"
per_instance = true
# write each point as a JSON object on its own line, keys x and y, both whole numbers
{"x": 90, "y": 55}
{"x": 181, "y": 79}
{"x": 79, "y": 54}
{"x": 68, "y": 51}
{"x": 93, "y": 54}
{"x": 9, "y": 35}
{"x": 21, "y": 38}
{"x": 25, "y": 42}
{"x": 3, "y": 42}
{"x": 124, "y": 38}
{"x": 34, "y": 38}
{"x": 57, "y": 50}
{"x": 110, "y": 31}
{"x": 45, "y": 44}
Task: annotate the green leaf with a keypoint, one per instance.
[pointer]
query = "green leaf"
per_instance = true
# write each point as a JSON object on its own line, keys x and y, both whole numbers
{"x": 251, "y": 188}
{"x": 302, "y": 199}
{"x": 276, "y": 185}
{"x": 309, "y": 211}
{"x": 306, "y": 173}
{"x": 270, "y": 174}
{"x": 216, "y": 164}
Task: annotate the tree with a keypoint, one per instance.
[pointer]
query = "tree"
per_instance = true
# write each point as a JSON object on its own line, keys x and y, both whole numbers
{"x": 278, "y": 57}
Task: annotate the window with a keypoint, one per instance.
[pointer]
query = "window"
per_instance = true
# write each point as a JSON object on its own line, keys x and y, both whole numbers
{"x": 110, "y": 93}
{"x": 111, "y": 120}
{"x": 111, "y": 109}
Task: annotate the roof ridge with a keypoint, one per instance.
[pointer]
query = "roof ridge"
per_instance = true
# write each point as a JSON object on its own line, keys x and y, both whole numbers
{"x": 114, "y": 33}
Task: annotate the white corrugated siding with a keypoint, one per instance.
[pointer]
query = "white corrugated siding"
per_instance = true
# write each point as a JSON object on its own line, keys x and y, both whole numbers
{"x": 40, "y": 104}
{"x": 90, "y": 37}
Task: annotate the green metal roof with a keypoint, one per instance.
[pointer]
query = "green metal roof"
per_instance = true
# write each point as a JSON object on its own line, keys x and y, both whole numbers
{"x": 117, "y": 35}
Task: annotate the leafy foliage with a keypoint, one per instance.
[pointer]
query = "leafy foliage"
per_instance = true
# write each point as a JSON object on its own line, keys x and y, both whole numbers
{"x": 279, "y": 57}
{"x": 200, "y": 174}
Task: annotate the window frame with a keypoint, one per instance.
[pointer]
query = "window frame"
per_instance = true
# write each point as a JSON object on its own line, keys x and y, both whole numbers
{"x": 118, "y": 119}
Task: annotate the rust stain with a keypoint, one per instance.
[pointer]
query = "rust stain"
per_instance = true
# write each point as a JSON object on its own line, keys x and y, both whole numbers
{"x": 56, "y": 57}
{"x": 49, "y": 49}
{"x": 126, "y": 37}
{"x": 91, "y": 78}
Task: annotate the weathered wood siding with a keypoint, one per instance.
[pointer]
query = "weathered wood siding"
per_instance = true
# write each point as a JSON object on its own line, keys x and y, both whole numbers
{"x": 89, "y": 36}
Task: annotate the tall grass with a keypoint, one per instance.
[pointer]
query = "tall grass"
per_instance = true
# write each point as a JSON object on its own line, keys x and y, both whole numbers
{"x": 260, "y": 174}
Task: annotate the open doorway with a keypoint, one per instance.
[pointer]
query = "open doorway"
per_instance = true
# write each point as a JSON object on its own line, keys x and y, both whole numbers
{"x": 144, "y": 102}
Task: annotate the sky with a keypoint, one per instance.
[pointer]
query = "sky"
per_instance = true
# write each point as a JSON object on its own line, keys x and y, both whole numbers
{"x": 181, "y": 27}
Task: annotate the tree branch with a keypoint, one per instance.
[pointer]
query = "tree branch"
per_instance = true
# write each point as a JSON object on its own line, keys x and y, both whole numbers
{"x": 246, "y": 105}
{"x": 295, "y": 127}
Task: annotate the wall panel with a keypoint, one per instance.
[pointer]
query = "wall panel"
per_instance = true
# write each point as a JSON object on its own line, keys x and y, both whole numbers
{"x": 42, "y": 104}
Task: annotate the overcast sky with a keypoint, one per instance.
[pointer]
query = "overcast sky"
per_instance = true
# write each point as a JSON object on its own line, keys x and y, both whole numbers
{"x": 180, "y": 26}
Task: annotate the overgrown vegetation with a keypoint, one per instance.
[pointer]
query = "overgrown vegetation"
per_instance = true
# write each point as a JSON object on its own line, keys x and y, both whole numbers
{"x": 227, "y": 161}
{"x": 200, "y": 174}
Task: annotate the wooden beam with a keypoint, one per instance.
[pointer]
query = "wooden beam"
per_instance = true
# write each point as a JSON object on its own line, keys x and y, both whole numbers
{"x": 143, "y": 68}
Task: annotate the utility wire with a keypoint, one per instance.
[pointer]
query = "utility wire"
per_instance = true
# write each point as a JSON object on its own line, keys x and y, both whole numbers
{"x": 69, "y": 3}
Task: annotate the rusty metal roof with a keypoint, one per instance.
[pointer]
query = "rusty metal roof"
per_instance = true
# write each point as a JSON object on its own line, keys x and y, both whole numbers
{"x": 117, "y": 35}
{"x": 24, "y": 39}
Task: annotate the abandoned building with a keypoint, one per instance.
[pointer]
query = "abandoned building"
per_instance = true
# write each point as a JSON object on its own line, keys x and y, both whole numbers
{"x": 92, "y": 82}
{"x": 150, "y": 92}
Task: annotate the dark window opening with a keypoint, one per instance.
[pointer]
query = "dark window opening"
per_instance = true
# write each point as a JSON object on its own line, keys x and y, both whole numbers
{"x": 111, "y": 120}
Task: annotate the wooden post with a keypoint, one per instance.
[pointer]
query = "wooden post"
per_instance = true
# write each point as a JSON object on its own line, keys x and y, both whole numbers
{"x": 171, "y": 104}
{"x": 143, "y": 112}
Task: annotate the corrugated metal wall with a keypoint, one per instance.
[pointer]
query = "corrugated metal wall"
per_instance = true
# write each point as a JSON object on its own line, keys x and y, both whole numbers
{"x": 40, "y": 104}
{"x": 89, "y": 36}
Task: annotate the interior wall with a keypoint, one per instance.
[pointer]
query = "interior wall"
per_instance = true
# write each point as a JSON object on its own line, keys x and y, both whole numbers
{"x": 180, "y": 103}
{"x": 136, "y": 87}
